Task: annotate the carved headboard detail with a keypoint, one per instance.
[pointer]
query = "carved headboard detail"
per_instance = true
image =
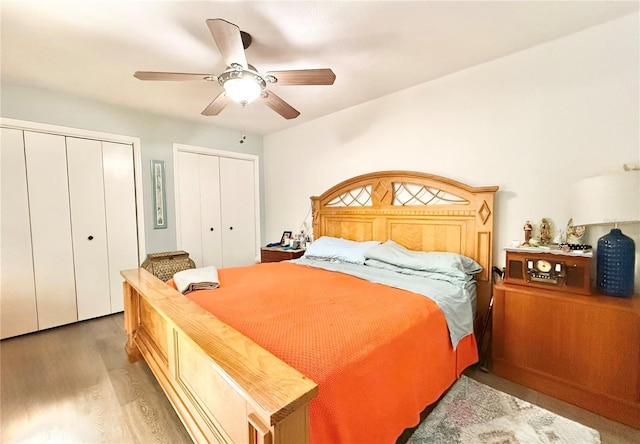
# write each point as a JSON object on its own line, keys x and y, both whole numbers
{"x": 421, "y": 211}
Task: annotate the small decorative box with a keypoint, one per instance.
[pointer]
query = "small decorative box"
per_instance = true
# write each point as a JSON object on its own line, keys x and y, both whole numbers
{"x": 165, "y": 265}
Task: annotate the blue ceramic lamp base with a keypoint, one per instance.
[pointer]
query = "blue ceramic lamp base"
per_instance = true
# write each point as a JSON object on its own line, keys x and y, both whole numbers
{"x": 616, "y": 256}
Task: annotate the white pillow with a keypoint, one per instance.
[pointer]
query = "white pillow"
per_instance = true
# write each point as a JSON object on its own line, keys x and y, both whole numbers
{"x": 337, "y": 249}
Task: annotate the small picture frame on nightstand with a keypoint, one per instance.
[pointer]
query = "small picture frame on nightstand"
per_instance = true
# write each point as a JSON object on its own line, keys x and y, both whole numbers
{"x": 285, "y": 235}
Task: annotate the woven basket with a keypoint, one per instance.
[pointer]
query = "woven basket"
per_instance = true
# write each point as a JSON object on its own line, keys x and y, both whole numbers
{"x": 165, "y": 265}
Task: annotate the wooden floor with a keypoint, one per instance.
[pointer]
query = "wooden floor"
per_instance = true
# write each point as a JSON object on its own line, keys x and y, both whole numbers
{"x": 74, "y": 384}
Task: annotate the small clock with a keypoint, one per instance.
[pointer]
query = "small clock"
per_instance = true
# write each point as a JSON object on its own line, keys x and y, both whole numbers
{"x": 543, "y": 266}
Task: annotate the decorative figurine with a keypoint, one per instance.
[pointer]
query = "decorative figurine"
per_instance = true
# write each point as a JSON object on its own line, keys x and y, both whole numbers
{"x": 575, "y": 233}
{"x": 528, "y": 229}
{"x": 560, "y": 237}
{"x": 545, "y": 232}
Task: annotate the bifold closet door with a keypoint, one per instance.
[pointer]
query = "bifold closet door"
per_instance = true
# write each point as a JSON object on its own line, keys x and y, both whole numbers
{"x": 188, "y": 187}
{"x": 216, "y": 209}
{"x": 237, "y": 209}
{"x": 120, "y": 210}
{"x": 46, "y": 167}
{"x": 198, "y": 185}
{"x": 88, "y": 222}
{"x": 103, "y": 221}
{"x": 212, "y": 231}
{"x": 17, "y": 288}
{"x": 69, "y": 226}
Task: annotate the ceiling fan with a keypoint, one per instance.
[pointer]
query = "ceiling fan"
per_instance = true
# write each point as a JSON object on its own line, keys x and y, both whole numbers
{"x": 241, "y": 81}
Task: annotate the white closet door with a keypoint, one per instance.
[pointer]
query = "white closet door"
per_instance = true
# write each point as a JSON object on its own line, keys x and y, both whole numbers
{"x": 86, "y": 193}
{"x": 188, "y": 205}
{"x": 237, "y": 207}
{"x": 120, "y": 207}
{"x": 17, "y": 289}
{"x": 50, "y": 229}
{"x": 210, "y": 211}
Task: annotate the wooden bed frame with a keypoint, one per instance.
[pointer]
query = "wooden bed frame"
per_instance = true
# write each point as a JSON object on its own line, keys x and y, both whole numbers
{"x": 225, "y": 387}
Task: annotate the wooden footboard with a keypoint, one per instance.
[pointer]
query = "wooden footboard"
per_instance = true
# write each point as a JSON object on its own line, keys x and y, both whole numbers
{"x": 224, "y": 387}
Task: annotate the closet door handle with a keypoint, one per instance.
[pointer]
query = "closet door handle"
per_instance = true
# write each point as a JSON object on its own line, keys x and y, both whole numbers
{"x": 231, "y": 228}
{"x": 211, "y": 229}
{"x": 90, "y": 238}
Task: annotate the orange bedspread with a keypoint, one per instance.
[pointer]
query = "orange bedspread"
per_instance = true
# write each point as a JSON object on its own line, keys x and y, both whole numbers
{"x": 379, "y": 355}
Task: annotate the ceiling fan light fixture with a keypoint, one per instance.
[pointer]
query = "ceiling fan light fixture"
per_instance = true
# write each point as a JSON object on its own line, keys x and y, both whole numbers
{"x": 241, "y": 81}
{"x": 242, "y": 90}
{"x": 242, "y": 86}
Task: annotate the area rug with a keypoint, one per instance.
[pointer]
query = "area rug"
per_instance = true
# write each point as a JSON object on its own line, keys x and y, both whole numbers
{"x": 473, "y": 413}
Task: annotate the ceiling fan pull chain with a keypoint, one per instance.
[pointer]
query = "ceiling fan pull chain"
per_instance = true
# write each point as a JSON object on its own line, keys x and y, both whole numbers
{"x": 243, "y": 120}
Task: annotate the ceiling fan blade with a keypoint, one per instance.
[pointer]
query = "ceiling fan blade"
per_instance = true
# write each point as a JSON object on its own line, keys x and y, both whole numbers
{"x": 280, "y": 106}
{"x": 304, "y": 77}
{"x": 229, "y": 41}
{"x": 151, "y": 75}
{"x": 217, "y": 105}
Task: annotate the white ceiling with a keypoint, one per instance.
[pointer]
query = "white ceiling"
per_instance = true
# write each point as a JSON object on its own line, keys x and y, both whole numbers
{"x": 92, "y": 48}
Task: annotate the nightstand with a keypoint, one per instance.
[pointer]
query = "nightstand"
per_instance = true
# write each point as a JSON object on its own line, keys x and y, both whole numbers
{"x": 583, "y": 349}
{"x": 277, "y": 254}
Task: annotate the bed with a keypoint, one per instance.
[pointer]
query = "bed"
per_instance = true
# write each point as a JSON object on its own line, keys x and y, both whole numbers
{"x": 229, "y": 382}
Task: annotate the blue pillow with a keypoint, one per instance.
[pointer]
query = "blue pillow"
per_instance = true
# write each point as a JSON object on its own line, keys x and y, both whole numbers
{"x": 455, "y": 278}
{"x": 339, "y": 250}
{"x": 452, "y": 264}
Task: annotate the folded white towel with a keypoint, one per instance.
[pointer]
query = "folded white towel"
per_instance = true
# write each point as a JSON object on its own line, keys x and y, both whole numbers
{"x": 196, "y": 279}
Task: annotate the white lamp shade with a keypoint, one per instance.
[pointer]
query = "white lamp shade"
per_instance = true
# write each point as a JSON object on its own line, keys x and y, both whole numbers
{"x": 606, "y": 199}
{"x": 242, "y": 89}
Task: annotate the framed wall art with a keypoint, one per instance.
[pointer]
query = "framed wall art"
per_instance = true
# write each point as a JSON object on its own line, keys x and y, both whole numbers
{"x": 159, "y": 194}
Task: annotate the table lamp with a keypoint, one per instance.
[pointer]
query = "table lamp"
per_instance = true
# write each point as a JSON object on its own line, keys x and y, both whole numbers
{"x": 604, "y": 200}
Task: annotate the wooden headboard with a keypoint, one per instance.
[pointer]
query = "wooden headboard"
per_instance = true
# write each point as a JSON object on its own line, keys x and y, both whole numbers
{"x": 423, "y": 212}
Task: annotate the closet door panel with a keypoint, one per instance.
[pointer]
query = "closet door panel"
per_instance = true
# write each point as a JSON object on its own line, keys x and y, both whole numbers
{"x": 210, "y": 210}
{"x": 86, "y": 193}
{"x": 120, "y": 208}
{"x": 17, "y": 289}
{"x": 50, "y": 229}
{"x": 237, "y": 207}
{"x": 188, "y": 214}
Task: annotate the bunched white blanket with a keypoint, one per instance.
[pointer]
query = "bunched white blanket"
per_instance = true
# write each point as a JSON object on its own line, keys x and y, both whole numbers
{"x": 196, "y": 279}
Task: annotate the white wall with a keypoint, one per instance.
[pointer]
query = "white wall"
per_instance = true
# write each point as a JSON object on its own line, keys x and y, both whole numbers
{"x": 156, "y": 133}
{"x": 532, "y": 123}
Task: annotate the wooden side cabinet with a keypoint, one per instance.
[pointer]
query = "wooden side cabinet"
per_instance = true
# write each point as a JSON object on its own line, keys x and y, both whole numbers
{"x": 582, "y": 349}
{"x": 277, "y": 254}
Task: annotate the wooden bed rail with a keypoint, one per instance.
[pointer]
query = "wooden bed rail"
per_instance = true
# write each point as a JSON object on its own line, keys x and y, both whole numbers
{"x": 224, "y": 387}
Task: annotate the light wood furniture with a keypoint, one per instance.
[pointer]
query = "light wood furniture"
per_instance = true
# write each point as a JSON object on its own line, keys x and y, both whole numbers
{"x": 225, "y": 387}
{"x": 423, "y": 212}
{"x": 583, "y": 349}
{"x": 277, "y": 254}
{"x": 69, "y": 225}
{"x": 217, "y": 206}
